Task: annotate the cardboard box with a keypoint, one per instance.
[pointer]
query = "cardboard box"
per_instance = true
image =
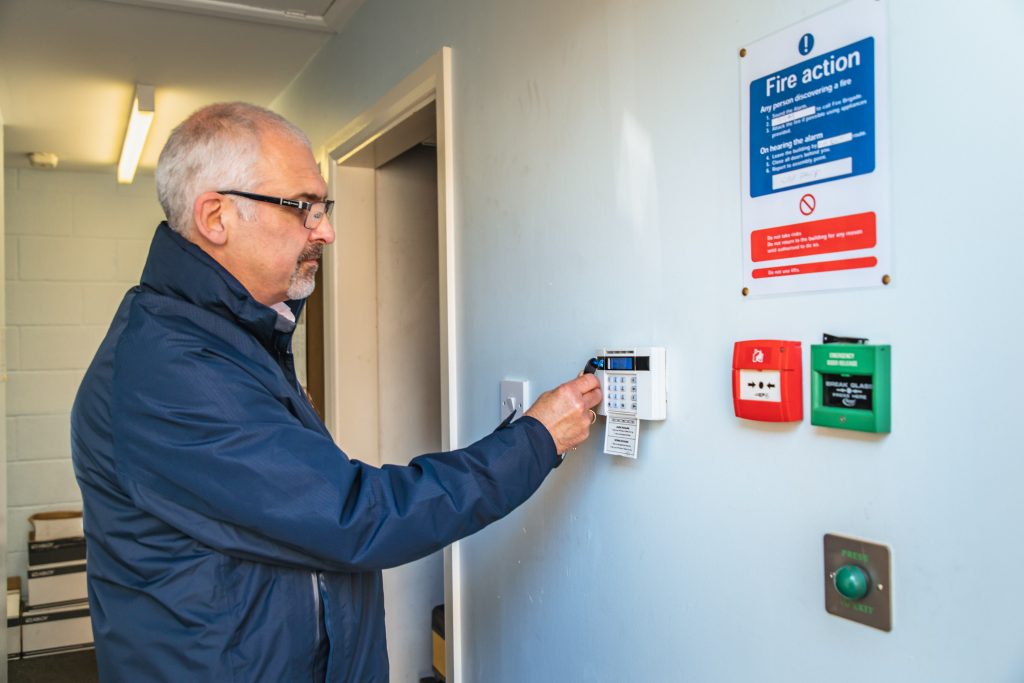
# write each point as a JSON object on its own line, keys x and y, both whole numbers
{"x": 56, "y": 583}
{"x": 48, "y": 526}
{"x": 13, "y": 637}
{"x": 13, "y": 596}
{"x": 55, "y": 629}
{"x": 54, "y": 551}
{"x": 13, "y": 617}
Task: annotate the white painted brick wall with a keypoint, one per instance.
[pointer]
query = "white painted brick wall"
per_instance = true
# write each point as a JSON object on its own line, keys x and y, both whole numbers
{"x": 39, "y": 437}
{"x": 66, "y": 259}
{"x": 58, "y": 347}
{"x": 13, "y": 339}
{"x": 10, "y": 261}
{"x": 38, "y": 213}
{"x": 9, "y": 425}
{"x": 43, "y": 303}
{"x": 100, "y": 302}
{"x": 40, "y": 393}
{"x": 75, "y": 242}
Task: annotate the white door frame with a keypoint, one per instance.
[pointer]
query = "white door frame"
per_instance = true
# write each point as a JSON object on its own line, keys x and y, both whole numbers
{"x": 431, "y": 82}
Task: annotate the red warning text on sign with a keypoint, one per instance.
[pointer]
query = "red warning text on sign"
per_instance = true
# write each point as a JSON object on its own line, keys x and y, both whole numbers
{"x": 827, "y": 236}
{"x": 818, "y": 267}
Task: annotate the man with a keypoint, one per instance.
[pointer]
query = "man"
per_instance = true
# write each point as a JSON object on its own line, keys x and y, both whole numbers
{"x": 229, "y": 538}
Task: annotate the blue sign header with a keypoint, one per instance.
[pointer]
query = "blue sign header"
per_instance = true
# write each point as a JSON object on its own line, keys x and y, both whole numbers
{"x": 814, "y": 122}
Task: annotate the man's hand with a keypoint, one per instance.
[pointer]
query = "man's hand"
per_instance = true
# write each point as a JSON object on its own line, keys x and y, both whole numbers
{"x": 566, "y": 411}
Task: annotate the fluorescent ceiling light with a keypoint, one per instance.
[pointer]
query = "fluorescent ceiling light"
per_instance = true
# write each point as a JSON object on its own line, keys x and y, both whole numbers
{"x": 316, "y": 15}
{"x": 135, "y": 136}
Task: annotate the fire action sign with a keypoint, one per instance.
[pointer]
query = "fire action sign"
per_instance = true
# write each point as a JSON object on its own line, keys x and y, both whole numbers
{"x": 815, "y": 153}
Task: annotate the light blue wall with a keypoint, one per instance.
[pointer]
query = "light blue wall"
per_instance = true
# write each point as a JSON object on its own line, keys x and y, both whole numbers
{"x": 600, "y": 135}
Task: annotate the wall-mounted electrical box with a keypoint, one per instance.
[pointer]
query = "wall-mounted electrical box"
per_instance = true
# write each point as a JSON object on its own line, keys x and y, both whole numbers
{"x": 633, "y": 381}
{"x": 850, "y": 385}
{"x": 514, "y": 395}
{"x": 858, "y": 581}
{"x": 767, "y": 380}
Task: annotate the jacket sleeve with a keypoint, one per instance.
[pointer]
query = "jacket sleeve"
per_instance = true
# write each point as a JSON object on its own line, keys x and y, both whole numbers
{"x": 223, "y": 460}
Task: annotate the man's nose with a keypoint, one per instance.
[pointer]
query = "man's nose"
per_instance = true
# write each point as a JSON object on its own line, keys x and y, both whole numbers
{"x": 323, "y": 232}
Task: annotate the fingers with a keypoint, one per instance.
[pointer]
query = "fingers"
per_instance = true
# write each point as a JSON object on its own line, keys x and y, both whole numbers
{"x": 587, "y": 388}
{"x": 585, "y": 383}
{"x": 592, "y": 397}
{"x": 583, "y": 395}
{"x": 567, "y": 411}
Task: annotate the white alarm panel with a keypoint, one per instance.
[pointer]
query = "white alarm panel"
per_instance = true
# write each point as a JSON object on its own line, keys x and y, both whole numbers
{"x": 633, "y": 382}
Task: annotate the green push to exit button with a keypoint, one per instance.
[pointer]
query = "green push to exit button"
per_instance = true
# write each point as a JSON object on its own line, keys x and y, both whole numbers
{"x": 852, "y": 582}
{"x": 858, "y": 581}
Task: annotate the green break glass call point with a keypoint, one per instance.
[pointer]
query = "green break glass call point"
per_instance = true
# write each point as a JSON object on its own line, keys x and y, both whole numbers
{"x": 850, "y": 385}
{"x": 852, "y": 582}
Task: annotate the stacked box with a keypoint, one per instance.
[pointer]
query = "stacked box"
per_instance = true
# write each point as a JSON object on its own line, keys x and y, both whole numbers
{"x": 56, "y": 571}
{"x": 49, "y": 526}
{"x": 56, "y": 614}
{"x": 48, "y": 630}
{"x": 13, "y": 617}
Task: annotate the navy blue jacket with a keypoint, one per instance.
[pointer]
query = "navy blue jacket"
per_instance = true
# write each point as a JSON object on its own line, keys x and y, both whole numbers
{"x": 229, "y": 538}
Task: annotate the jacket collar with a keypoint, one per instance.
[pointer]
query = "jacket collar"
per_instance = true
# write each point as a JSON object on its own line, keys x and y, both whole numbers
{"x": 177, "y": 267}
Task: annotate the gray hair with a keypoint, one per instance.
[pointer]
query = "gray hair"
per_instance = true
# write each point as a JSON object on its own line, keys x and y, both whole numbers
{"x": 218, "y": 147}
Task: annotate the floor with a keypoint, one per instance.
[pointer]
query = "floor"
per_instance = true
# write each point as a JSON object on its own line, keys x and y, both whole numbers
{"x": 71, "y": 667}
{"x": 68, "y": 667}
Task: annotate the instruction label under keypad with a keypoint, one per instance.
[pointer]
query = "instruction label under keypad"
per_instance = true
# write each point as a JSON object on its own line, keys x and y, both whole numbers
{"x": 622, "y": 435}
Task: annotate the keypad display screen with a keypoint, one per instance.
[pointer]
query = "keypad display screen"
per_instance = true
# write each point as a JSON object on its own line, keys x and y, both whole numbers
{"x": 620, "y": 363}
{"x": 635, "y": 363}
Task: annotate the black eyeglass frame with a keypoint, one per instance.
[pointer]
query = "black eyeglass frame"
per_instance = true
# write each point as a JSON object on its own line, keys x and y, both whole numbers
{"x": 293, "y": 203}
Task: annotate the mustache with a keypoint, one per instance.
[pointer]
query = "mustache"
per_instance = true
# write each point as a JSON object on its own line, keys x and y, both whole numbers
{"x": 313, "y": 252}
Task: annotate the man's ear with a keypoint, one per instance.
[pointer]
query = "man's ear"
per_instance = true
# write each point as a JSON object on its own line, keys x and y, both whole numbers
{"x": 209, "y": 214}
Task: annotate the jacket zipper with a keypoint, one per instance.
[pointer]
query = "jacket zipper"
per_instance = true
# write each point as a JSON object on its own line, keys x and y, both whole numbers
{"x": 316, "y": 606}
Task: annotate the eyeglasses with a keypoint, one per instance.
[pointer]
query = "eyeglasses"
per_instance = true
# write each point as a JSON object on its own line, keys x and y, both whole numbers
{"x": 315, "y": 211}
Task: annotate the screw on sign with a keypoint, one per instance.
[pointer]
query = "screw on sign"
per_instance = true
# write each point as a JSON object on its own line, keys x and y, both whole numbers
{"x": 807, "y": 204}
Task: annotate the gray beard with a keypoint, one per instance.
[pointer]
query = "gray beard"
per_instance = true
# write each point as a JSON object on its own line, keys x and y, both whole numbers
{"x": 302, "y": 284}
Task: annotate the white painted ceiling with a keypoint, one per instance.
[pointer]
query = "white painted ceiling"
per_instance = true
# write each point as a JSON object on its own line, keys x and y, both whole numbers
{"x": 68, "y": 68}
